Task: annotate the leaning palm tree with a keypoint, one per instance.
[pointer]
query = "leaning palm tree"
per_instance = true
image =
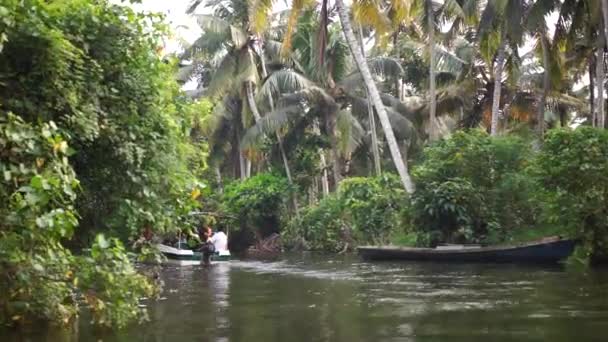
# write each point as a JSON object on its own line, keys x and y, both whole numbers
{"x": 296, "y": 8}
{"x": 331, "y": 97}
{"x": 398, "y": 160}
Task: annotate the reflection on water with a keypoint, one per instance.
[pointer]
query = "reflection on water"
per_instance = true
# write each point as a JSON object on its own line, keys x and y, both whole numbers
{"x": 315, "y": 298}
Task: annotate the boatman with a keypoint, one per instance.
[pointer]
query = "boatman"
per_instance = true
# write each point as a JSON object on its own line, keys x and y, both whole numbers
{"x": 220, "y": 240}
{"x": 208, "y": 247}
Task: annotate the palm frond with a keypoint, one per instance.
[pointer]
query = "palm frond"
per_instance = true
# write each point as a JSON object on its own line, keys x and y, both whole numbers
{"x": 350, "y": 132}
{"x": 219, "y": 26}
{"x": 270, "y": 123}
{"x": 403, "y": 128}
{"x": 282, "y": 82}
{"x": 386, "y": 67}
{"x": 259, "y": 14}
{"x": 369, "y": 14}
{"x": 224, "y": 76}
{"x": 297, "y": 6}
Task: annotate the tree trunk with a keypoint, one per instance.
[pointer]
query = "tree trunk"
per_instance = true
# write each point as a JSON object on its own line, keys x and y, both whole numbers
{"x": 592, "y": 90}
{"x": 432, "y": 90}
{"x": 546, "y": 84}
{"x": 371, "y": 119}
{"x": 218, "y": 178}
{"x": 599, "y": 77}
{"x": 500, "y": 58}
{"x": 374, "y": 95}
{"x": 605, "y": 31}
{"x": 322, "y": 161}
{"x": 330, "y": 128}
{"x": 242, "y": 163}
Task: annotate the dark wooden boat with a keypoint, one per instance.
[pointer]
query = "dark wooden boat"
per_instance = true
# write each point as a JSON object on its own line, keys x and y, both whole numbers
{"x": 548, "y": 250}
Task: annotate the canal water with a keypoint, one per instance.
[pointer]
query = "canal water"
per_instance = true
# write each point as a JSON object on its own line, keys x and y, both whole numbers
{"x": 316, "y": 298}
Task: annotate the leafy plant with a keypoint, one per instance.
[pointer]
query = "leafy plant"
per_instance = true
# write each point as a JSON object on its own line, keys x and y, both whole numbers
{"x": 40, "y": 278}
{"x": 572, "y": 169}
{"x": 465, "y": 189}
{"x": 258, "y": 202}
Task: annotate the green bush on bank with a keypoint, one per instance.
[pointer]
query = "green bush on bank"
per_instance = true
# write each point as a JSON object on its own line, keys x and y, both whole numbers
{"x": 87, "y": 72}
{"x": 470, "y": 189}
{"x": 258, "y": 203}
{"x": 572, "y": 169}
{"x": 40, "y": 279}
{"x": 362, "y": 211}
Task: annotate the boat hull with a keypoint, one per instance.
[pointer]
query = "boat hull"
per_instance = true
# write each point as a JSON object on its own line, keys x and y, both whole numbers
{"x": 539, "y": 252}
{"x": 187, "y": 256}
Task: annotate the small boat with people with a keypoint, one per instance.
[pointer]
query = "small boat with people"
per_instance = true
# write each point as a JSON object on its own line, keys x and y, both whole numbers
{"x": 184, "y": 256}
{"x": 547, "y": 250}
{"x": 214, "y": 247}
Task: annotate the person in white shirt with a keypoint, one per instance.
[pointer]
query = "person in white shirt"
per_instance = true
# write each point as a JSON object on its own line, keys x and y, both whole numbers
{"x": 220, "y": 241}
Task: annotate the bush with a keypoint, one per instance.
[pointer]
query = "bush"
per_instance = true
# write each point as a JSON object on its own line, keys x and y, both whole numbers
{"x": 464, "y": 189}
{"x": 572, "y": 168}
{"x": 363, "y": 210}
{"x": 319, "y": 228}
{"x": 373, "y": 206}
{"x": 39, "y": 278}
{"x": 258, "y": 202}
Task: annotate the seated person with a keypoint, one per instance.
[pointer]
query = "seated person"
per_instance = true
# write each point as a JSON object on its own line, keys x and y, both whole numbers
{"x": 220, "y": 241}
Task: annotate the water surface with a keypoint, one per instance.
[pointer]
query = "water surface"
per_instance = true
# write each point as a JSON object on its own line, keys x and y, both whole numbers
{"x": 316, "y": 298}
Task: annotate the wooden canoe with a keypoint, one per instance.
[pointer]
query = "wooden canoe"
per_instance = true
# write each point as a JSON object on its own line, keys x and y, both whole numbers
{"x": 549, "y": 250}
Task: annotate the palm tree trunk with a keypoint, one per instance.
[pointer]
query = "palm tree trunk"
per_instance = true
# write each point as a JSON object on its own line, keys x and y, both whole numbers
{"x": 242, "y": 163}
{"x": 371, "y": 119}
{"x": 375, "y": 96}
{"x": 546, "y": 84}
{"x": 605, "y": 15}
{"x": 599, "y": 77}
{"x": 500, "y": 58}
{"x": 322, "y": 161}
{"x": 432, "y": 87}
{"x": 218, "y": 178}
{"x": 592, "y": 90}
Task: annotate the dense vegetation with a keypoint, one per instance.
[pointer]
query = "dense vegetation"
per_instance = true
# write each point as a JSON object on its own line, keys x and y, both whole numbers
{"x": 94, "y": 138}
{"x": 447, "y": 130}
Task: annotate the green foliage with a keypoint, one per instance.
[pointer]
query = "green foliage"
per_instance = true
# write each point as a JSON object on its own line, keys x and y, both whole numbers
{"x": 319, "y": 228}
{"x": 110, "y": 284}
{"x": 363, "y": 210}
{"x": 92, "y": 68}
{"x": 572, "y": 168}
{"x": 465, "y": 189}
{"x": 88, "y": 72}
{"x": 36, "y": 204}
{"x": 258, "y": 202}
{"x": 374, "y": 206}
{"x": 39, "y": 278}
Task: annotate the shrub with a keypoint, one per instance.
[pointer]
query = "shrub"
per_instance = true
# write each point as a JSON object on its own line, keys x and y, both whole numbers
{"x": 572, "y": 168}
{"x": 363, "y": 210}
{"x": 464, "y": 189}
{"x": 258, "y": 202}
{"x": 39, "y": 277}
{"x": 374, "y": 206}
{"x": 319, "y": 227}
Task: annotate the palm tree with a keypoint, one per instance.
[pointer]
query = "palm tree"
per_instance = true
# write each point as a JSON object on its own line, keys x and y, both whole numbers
{"x": 227, "y": 39}
{"x": 400, "y": 163}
